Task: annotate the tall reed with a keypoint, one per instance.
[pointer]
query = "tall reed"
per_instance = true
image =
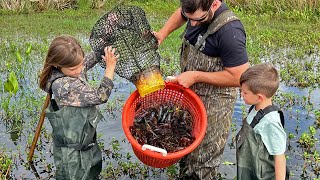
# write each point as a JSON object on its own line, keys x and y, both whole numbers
{"x": 43, "y": 5}
{"x": 277, "y": 6}
{"x": 15, "y": 5}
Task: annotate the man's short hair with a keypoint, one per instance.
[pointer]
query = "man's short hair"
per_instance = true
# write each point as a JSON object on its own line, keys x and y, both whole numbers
{"x": 191, "y": 6}
{"x": 262, "y": 78}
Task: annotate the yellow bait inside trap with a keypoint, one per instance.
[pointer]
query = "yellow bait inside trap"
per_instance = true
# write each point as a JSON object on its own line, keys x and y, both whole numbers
{"x": 148, "y": 81}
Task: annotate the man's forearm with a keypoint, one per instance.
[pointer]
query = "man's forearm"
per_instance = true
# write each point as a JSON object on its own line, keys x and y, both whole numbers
{"x": 174, "y": 22}
{"x": 229, "y": 77}
{"x": 220, "y": 78}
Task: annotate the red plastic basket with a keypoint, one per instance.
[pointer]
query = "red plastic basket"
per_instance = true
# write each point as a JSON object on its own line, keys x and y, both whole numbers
{"x": 172, "y": 93}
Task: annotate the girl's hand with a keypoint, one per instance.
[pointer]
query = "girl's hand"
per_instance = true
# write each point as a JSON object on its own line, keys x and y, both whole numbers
{"x": 111, "y": 60}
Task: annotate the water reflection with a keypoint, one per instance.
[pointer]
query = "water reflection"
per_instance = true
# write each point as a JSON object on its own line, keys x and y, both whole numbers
{"x": 111, "y": 127}
{"x": 34, "y": 170}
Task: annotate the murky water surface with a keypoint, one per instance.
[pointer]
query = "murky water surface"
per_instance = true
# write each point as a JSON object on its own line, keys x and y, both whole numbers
{"x": 298, "y": 115}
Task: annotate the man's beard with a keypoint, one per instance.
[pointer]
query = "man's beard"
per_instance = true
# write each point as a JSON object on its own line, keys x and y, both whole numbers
{"x": 209, "y": 19}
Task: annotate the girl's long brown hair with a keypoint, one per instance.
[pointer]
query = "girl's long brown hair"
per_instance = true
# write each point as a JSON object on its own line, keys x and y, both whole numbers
{"x": 64, "y": 51}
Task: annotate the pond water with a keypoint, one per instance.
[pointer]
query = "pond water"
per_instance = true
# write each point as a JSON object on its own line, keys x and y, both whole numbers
{"x": 298, "y": 109}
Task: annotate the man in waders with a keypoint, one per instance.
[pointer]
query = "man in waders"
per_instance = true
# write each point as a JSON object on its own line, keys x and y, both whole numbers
{"x": 212, "y": 60}
{"x": 261, "y": 142}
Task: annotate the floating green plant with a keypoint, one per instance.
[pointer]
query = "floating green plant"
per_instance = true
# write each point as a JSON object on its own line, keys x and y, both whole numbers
{"x": 11, "y": 85}
{"x": 125, "y": 166}
{"x": 5, "y": 165}
{"x": 307, "y": 139}
{"x": 317, "y": 118}
{"x": 28, "y": 51}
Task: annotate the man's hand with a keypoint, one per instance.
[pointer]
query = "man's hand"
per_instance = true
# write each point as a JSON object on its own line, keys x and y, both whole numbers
{"x": 185, "y": 79}
{"x": 174, "y": 22}
{"x": 160, "y": 37}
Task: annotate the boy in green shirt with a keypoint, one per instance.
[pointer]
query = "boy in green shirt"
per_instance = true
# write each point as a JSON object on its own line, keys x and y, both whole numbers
{"x": 261, "y": 142}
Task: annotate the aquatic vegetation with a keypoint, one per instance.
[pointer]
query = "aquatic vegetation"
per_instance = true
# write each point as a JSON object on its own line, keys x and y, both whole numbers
{"x": 5, "y": 165}
{"x": 311, "y": 163}
{"x": 120, "y": 164}
{"x": 11, "y": 85}
{"x": 317, "y": 116}
{"x": 308, "y": 140}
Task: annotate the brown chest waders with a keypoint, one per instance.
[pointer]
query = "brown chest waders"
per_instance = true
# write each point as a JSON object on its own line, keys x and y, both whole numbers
{"x": 204, "y": 161}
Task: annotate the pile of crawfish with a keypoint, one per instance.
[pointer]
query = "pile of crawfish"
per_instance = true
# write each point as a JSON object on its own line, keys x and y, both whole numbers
{"x": 165, "y": 126}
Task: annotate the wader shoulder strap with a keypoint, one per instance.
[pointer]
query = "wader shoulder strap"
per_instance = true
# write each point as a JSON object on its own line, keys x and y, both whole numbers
{"x": 54, "y": 105}
{"x": 250, "y": 109}
{"x": 262, "y": 112}
{"x": 221, "y": 20}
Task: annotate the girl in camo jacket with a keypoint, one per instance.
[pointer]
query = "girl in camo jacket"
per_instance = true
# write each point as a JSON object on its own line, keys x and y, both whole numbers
{"x": 72, "y": 112}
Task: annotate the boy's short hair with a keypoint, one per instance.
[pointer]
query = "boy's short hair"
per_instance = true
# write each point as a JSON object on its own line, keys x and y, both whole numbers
{"x": 262, "y": 78}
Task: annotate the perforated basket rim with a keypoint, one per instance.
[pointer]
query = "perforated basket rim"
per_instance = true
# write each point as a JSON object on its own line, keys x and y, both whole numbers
{"x": 174, "y": 155}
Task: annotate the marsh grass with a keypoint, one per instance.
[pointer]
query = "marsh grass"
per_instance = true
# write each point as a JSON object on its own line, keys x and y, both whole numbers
{"x": 24, "y": 6}
{"x": 5, "y": 165}
{"x": 16, "y": 5}
{"x": 311, "y": 7}
{"x": 36, "y": 5}
{"x": 278, "y": 6}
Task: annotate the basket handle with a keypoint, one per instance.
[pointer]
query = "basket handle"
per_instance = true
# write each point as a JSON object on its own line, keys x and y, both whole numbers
{"x": 171, "y": 78}
{"x": 153, "y": 148}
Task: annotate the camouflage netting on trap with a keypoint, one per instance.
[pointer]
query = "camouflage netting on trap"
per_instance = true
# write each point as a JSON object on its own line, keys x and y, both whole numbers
{"x": 127, "y": 29}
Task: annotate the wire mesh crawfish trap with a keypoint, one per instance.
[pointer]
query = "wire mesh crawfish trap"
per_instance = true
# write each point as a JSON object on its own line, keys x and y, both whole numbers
{"x": 127, "y": 29}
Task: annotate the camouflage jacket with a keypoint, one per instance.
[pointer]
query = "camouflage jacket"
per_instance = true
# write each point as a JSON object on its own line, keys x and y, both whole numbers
{"x": 71, "y": 91}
